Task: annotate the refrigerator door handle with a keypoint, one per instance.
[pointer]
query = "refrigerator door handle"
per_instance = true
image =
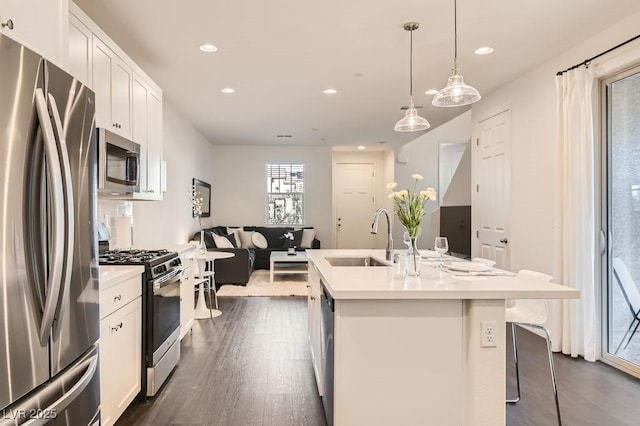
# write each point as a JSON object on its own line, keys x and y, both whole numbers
{"x": 63, "y": 402}
{"x": 54, "y": 279}
{"x": 69, "y": 213}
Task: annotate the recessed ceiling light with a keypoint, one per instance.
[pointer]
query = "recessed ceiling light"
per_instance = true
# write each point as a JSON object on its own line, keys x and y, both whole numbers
{"x": 431, "y": 92}
{"x": 227, "y": 90}
{"x": 361, "y": 147}
{"x": 483, "y": 50}
{"x": 330, "y": 91}
{"x": 208, "y": 47}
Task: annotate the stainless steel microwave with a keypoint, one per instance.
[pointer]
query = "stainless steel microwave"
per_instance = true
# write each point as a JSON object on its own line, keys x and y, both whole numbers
{"x": 118, "y": 164}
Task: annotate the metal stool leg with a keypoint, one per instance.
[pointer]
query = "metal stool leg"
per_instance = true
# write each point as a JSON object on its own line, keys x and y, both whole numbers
{"x": 515, "y": 358}
{"x": 210, "y": 301}
{"x": 215, "y": 292}
{"x": 553, "y": 374}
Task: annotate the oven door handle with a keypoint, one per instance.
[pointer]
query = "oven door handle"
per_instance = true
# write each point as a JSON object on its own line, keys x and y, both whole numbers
{"x": 168, "y": 279}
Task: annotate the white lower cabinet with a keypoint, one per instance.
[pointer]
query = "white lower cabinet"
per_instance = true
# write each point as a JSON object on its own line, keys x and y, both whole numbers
{"x": 315, "y": 330}
{"x": 120, "y": 347}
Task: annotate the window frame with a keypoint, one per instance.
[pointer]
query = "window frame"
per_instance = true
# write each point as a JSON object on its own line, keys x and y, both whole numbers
{"x": 292, "y": 165}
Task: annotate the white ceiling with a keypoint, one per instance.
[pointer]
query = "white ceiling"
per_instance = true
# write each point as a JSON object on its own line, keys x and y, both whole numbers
{"x": 280, "y": 54}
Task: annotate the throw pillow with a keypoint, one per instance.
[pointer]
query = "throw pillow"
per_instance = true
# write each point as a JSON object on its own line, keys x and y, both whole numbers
{"x": 259, "y": 240}
{"x": 297, "y": 238}
{"x": 235, "y": 232}
{"x": 222, "y": 242}
{"x": 232, "y": 240}
{"x": 245, "y": 239}
{"x": 307, "y": 238}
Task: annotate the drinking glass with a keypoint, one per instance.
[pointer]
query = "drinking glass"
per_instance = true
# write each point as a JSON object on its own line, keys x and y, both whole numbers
{"x": 441, "y": 246}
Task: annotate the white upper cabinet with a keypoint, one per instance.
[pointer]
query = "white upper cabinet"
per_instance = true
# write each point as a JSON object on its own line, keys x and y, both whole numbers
{"x": 147, "y": 131}
{"x": 38, "y": 24}
{"x": 112, "y": 79}
{"x": 80, "y": 43}
{"x": 128, "y": 102}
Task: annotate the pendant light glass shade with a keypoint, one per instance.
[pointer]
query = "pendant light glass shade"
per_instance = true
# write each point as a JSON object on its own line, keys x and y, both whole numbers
{"x": 456, "y": 93}
{"x": 412, "y": 122}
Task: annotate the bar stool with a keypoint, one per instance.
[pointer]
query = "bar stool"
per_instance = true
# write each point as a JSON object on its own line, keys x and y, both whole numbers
{"x": 204, "y": 279}
{"x": 205, "y": 276}
{"x": 531, "y": 313}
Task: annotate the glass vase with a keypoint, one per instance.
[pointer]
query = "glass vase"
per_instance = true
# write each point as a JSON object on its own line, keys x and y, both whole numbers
{"x": 412, "y": 259}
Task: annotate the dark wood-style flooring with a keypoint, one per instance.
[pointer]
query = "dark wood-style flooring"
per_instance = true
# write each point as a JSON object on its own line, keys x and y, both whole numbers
{"x": 252, "y": 366}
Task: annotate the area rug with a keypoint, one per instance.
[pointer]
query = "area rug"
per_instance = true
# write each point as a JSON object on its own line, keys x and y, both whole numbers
{"x": 259, "y": 285}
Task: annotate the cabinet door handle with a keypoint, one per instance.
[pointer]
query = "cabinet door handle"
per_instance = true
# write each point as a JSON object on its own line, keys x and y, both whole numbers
{"x": 117, "y": 298}
{"x": 7, "y": 24}
{"x": 117, "y": 327}
{"x": 313, "y": 298}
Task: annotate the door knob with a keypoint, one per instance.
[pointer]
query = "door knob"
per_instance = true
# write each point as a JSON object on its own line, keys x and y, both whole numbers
{"x": 504, "y": 240}
{"x": 8, "y": 24}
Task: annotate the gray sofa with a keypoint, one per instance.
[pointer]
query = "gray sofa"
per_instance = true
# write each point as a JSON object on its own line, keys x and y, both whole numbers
{"x": 237, "y": 270}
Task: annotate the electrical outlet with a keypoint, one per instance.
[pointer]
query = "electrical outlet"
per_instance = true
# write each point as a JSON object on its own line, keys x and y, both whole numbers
{"x": 488, "y": 334}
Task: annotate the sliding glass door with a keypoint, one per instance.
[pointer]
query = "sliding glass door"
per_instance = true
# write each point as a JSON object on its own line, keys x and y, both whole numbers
{"x": 621, "y": 220}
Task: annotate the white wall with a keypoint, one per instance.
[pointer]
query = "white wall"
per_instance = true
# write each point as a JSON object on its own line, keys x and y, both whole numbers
{"x": 459, "y": 190}
{"x": 383, "y": 165}
{"x": 238, "y": 185}
{"x": 188, "y": 154}
{"x": 532, "y": 99}
{"x": 421, "y": 156}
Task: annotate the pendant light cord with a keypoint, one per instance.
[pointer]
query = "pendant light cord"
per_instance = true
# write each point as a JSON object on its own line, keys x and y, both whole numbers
{"x": 455, "y": 34}
{"x": 411, "y": 65}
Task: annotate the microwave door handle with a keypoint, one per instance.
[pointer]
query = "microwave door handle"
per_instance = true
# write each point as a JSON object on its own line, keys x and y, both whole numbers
{"x": 54, "y": 278}
{"x": 69, "y": 211}
{"x": 133, "y": 169}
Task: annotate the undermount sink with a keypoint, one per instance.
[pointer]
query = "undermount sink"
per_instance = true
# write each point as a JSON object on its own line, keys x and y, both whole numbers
{"x": 355, "y": 261}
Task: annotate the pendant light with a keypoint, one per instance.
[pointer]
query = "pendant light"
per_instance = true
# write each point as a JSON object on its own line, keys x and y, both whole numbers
{"x": 456, "y": 93}
{"x": 411, "y": 122}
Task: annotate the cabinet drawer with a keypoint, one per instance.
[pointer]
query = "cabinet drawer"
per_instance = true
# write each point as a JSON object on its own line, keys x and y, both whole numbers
{"x": 113, "y": 298}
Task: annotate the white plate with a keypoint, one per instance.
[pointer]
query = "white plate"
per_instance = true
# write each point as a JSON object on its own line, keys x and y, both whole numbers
{"x": 469, "y": 266}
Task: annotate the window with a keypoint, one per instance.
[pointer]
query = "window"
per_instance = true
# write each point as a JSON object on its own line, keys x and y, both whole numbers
{"x": 285, "y": 194}
{"x": 620, "y": 219}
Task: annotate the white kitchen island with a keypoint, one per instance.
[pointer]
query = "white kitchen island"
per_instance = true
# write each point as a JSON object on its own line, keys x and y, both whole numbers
{"x": 407, "y": 350}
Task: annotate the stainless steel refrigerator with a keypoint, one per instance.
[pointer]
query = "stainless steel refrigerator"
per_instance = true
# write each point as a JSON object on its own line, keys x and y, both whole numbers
{"x": 49, "y": 318}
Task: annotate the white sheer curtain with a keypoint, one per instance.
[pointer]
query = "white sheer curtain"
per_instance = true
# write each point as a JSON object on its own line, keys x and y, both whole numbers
{"x": 574, "y": 322}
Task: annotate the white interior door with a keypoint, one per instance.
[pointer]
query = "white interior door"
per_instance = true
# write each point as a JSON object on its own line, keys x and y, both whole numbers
{"x": 355, "y": 201}
{"x": 493, "y": 177}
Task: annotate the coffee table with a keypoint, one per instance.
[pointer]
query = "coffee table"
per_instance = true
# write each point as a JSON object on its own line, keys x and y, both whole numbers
{"x": 280, "y": 262}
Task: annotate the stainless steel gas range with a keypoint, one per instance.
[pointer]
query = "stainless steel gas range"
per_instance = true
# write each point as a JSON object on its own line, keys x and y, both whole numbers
{"x": 160, "y": 311}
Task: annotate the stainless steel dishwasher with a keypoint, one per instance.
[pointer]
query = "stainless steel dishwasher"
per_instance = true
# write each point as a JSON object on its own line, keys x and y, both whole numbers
{"x": 327, "y": 308}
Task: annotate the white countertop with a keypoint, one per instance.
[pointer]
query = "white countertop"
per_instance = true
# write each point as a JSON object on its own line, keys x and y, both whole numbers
{"x": 113, "y": 274}
{"x": 354, "y": 282}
